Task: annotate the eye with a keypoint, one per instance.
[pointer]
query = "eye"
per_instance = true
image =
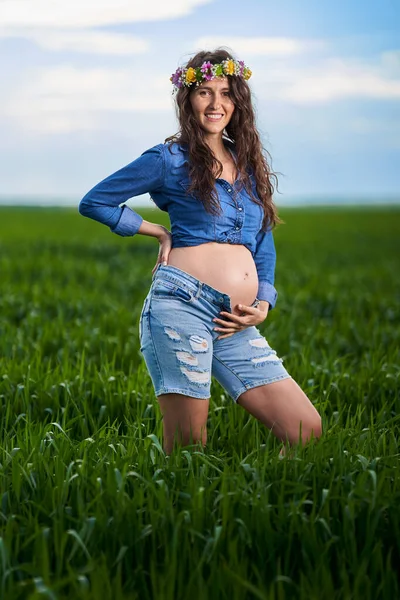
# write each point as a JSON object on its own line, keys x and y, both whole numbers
{"x": 202, "y": 92}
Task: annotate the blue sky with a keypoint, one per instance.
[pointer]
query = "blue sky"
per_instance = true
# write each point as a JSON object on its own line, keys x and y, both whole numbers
{"x": 86, "y": 89}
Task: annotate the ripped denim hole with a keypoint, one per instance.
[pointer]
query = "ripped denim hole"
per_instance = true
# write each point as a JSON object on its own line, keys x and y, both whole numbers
{"x": 199, "y": 377}
{"x": 261, "y": 360}
{"x": 172, "y": 334}
{"x": 198, "y": 343}
{"x": 259, "y": 342}
{"x": 187, "y": 358}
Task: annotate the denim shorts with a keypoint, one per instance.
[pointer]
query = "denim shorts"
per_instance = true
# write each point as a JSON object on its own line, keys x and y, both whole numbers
{"x": 180, "y": 346}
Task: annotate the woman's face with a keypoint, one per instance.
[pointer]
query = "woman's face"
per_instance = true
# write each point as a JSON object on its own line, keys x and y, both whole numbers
{"x": 212, "y": 104}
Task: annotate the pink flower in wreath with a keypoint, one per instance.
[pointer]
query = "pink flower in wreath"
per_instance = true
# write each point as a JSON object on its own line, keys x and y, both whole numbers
{"x": 206, "y": 70}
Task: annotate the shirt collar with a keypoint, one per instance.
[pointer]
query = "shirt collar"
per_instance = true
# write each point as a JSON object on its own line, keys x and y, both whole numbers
{"x": 229, "y": 144}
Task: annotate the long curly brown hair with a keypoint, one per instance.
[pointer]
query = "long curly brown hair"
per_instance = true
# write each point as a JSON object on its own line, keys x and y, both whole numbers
{"x": 241, "y": 131}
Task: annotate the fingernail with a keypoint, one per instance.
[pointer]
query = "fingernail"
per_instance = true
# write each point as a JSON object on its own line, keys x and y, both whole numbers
{"x": 165, "y": 262}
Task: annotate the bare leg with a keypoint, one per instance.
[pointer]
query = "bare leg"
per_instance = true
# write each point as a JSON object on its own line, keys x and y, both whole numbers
{"x": 184, "y": 420}
{"x": 284, "y": 408}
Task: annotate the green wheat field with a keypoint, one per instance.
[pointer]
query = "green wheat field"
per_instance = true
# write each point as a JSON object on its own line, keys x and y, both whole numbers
{"x": 91, "y": 508}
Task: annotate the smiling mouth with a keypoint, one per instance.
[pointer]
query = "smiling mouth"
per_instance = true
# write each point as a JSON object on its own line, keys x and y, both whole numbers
{"x": 214, "y": 116}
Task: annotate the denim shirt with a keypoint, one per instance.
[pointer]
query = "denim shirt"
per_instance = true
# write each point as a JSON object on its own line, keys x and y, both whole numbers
{"x": 164, "y": 175}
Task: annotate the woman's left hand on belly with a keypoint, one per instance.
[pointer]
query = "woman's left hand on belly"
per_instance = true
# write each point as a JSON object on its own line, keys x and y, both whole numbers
{"x": 231, "y": 323}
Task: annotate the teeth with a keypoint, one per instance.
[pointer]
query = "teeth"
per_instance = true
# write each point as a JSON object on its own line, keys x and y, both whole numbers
{"x": 214, "y": 116}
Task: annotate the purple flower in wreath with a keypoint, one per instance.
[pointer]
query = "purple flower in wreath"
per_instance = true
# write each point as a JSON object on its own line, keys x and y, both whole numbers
{"x": 205, "y": 66}
{"x": 176, "y": 77}
{"x": 188, "y": 76}
{"x": 206, "y": 70}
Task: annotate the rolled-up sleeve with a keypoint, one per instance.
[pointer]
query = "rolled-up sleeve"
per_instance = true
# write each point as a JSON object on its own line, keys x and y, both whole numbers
{"x": 265, "y": 260}
{"x": 101, "y": 203}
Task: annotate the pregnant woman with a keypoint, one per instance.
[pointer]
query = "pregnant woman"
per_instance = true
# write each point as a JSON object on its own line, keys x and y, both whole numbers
{"x": 213, "y": 281}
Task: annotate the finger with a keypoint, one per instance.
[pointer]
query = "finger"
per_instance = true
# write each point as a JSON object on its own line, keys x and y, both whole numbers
{"x": 227, "y": 329}
{"x": 162, "y": 260}
{"x": 163, "y": 257}
{"x": 228, "y": 324}
{"x": 232, "y": 317}
{"x": 232, "y": 333}
{"x": 239, "y": 321}
{"x": 220, "y": 337}
{"x": 247, "y": 309}
{"x": 231, "y": 324}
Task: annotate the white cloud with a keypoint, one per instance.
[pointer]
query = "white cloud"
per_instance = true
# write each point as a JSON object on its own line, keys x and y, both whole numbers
{"x": 337, "y": 79}
{"x": 390, "y": 61}
{"x": 66, "y": 98}
{"x": 83, "y": 41}
{"x": 280, "y": 71}
{"x": 323, "y": 80}
{"x": 261, "y": 46}
{"x": 91, "y": 13}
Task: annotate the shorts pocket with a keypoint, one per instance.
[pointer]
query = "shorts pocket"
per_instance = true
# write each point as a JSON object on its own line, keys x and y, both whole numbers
{"x": 185, "y": 184}
{"x": 164, "y": 289}
{"x": 143, "y": 313}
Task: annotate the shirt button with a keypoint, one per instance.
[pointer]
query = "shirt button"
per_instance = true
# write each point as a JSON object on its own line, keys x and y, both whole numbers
{"x": 221, "y": 299}
{"x": 240, "y": 208}
{"x": 237, "y": 228}
{"x": 229, "y": 190}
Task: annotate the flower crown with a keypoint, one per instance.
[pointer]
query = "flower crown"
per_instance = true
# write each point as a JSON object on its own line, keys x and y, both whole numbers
{"x": 207, "y": 71}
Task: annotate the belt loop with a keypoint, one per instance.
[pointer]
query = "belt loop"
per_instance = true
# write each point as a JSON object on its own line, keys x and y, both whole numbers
{"x": 197, "y": 296}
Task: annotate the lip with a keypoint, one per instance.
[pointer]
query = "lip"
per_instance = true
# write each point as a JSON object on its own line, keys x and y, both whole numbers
{"x": 221, "y": 116}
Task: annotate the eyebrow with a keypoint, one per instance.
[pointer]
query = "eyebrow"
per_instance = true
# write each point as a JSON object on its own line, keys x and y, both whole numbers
{"x": 206, "y": 87}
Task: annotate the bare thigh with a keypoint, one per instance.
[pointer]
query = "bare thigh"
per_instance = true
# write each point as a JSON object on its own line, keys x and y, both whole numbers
{"x": 184, "y": 418}
{"x": 284, "y": 408}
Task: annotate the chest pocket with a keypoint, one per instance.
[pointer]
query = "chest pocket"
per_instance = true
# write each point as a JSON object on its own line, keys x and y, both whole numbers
{"x": 185, "y": 184}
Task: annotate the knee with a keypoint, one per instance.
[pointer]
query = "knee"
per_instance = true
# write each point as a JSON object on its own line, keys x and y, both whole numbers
{"x": 305, "y": 430}
{"x": 185, "y": 438}
{"x": 311, "y": 429}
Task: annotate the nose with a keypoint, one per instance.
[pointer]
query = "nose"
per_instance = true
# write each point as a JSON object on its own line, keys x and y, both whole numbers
{"x": 215, "y": 102}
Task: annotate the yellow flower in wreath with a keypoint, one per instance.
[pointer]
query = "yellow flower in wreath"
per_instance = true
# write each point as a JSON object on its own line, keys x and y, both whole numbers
{"x": 190, "y": 75}
{"x": 247, "y": 73}
{"x": 230, "y": 67}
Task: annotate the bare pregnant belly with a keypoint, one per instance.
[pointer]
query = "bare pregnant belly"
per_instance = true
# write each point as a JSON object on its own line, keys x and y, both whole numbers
{"x": 229, "y": 268}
